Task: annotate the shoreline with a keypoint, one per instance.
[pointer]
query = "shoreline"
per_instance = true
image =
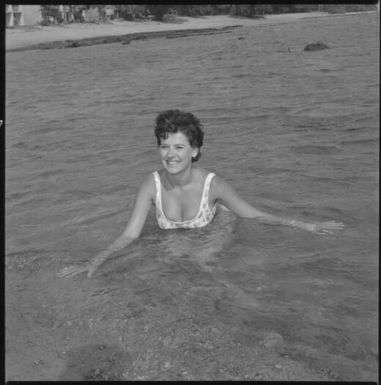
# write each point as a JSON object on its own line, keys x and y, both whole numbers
{"x": 75, "y": 35}
{"x": 123, "y": 39}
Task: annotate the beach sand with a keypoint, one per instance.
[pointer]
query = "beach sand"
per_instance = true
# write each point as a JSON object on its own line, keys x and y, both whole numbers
{"x": 29, "y": 37}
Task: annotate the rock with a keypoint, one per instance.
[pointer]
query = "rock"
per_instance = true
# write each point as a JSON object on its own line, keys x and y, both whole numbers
{"x": 318, "y": 46}
{"x": 38, "y": 362}
{"x": 258, "y": 376}
{"x": 374, "y": 351}
{"x": 273, "y": 340}
{"x": 331, "y": 374}
{"x": 99, "y": 374}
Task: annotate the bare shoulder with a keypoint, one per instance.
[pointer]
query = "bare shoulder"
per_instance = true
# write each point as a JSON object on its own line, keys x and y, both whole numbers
{"x": 215, "y": 187}
{"x": 147, "y": 187}
{"x": 220, "y": 188}
{"x": 200, "y": 173}
{"x": 218, "y": 182}
{"x": 149, "y": 180}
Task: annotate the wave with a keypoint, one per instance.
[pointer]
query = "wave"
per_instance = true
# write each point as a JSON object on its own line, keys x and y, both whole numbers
{"x": 366, "y": 142}
{"x": 316, "y": 150}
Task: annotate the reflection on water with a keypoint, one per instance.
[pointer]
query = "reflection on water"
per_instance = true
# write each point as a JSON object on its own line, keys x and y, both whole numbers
{"x": 297, "y": 135}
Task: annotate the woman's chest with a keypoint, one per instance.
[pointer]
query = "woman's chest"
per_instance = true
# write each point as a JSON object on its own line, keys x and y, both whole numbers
{"x": 181, "y": 205}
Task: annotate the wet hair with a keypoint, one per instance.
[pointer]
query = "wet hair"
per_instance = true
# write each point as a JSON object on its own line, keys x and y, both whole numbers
{"x": 173, "y": 121}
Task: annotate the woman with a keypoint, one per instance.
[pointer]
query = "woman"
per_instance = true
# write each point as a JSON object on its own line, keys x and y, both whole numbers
{"x": 184, "y": 196}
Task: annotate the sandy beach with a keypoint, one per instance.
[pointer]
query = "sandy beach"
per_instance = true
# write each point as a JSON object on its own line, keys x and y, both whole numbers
{"x": 26, "y": 37}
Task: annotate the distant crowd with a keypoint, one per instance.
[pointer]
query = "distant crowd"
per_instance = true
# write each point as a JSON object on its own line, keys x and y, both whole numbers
{"x": 58, "y": 14}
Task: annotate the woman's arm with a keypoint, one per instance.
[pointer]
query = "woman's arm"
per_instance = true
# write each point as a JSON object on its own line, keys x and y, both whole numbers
{"x": 224, "y": 193}
{"x": 132, "y": 231}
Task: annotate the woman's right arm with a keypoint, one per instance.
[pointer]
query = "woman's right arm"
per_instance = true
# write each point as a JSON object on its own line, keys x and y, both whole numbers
{"x": 143, "y": 202}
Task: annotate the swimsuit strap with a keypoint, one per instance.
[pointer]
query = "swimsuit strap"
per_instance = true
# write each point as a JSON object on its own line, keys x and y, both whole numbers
{"x": 205, "y": 194}
{"x": 158, "y": 190}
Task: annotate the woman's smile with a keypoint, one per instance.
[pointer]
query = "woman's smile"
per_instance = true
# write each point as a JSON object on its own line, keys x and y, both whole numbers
{"x": 172, "y": 163}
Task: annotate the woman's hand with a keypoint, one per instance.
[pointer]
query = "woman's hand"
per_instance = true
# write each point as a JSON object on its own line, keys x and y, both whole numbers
{"x": 73, "y": 270}
{"x": 323, "y": 228}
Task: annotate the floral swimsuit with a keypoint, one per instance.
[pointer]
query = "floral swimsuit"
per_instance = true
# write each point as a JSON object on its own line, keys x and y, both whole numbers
{"x": 205, "y": 213}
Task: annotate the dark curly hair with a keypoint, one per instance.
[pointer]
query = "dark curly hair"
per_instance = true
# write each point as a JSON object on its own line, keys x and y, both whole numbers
{"x": 172, "y": 121}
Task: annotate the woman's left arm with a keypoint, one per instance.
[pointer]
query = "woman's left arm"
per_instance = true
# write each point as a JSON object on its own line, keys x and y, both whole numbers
{"x": 223, "y": 192}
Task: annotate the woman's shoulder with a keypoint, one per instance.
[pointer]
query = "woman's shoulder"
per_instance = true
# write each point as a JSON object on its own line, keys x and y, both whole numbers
{"x": 148, "y": 183}
{"x": 217, "y": 186}
{"x": 201, "y": 173}
{"x": 159, "y": 172}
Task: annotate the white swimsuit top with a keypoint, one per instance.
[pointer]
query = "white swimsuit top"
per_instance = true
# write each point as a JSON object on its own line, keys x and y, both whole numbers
{"x": 203, "y": 217}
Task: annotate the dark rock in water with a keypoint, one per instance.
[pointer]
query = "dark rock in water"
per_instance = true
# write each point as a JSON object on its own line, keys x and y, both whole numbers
{"x": 273, "y": 340}
{"x": 316, "y": 46}
{"x": 96, "y": 362}
{"x": 241, "y": 38}
{"x": 99, "y": 374}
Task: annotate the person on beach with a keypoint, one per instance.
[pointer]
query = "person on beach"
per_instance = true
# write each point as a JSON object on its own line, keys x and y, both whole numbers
{"x": 185, "y": 196}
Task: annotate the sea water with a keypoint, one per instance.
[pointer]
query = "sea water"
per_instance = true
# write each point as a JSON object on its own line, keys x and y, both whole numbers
{"x": 296, "y": 134}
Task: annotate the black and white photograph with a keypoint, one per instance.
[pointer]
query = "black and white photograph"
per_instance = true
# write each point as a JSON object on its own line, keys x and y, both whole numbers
{"x": 192, "y": 192}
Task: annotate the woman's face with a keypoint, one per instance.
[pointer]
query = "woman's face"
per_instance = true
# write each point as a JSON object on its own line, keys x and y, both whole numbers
{"x": 176, "y": 153}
